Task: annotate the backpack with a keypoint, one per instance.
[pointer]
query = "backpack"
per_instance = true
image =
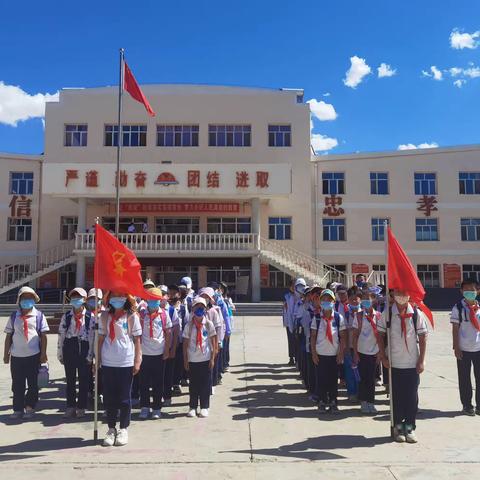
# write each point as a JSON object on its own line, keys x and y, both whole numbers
{"x": 38, "y": 322}
{"x": 461, "y": 312}
{"x": 69, "y": 316}
{"x": 336, "y": 321}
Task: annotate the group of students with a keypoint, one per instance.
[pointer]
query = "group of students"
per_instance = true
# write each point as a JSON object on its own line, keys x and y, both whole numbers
{"x": 338, "y": 335}
{"x": 147, "y": 350}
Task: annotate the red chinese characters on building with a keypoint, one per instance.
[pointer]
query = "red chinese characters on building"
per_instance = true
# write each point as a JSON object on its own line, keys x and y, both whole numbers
{"x": 193, "y": 178}
{"x": 123, "y": 178}
{"x": 426, "y": 204}
{"x": 91, "y": 178}
{"x": 20, "y": 206}
{"x": 70, "y": 175}
{"x": 262, "y": 179}
{"x": 213, "y": 179}
{"x": 243, "y": 180}
{"x": 332, "y": 206}
{"x": 140, "y": 179}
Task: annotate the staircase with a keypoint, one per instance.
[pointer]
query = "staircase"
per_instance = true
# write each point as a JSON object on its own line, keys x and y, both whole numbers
{"x": 14, "y": 276}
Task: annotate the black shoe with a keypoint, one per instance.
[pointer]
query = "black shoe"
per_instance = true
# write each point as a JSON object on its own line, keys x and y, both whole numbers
{"x": 470, "y": 411}
{"x": 184, "y": 382}
{"x": 334, "y": 409}
{"x": 322, "y": 408}
{"x": 176, "y": 390}
{"x": 291, "y": 363}
{"x": 477, "y": 411}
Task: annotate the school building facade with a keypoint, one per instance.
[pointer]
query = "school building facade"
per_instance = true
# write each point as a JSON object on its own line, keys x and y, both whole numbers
{"x": 222, "y": 185}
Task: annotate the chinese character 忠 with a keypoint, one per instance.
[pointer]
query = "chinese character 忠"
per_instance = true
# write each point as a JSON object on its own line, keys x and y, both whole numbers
{"x": 70, "y": 175}
{"x": 91, "y": 178}
{"x": 331, "y": 204}
{"x": 262, "y": 179}
{"x": 427, "y": 205}
{"x": 213, "y": 179}
{"x": 193, "y": 179}
{"x": 140, "y": 178}
{"x": 20, "y": 206}
{"x": 242, "y": 179}
{"x": 123, "y": 178}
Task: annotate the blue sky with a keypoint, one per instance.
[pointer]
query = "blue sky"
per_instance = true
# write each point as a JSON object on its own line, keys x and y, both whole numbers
{"x": 306, "y": 44}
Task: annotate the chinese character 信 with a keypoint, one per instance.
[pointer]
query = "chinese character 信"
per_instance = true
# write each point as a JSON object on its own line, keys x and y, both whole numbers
{"x": 242, "y": 179}
{"x": 331, "y": 204}
{"x": 427, "y": 204}
{"x": 20, "y": 206}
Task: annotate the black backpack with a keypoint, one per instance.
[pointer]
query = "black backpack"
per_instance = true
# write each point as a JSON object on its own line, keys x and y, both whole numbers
{"x": 461, "y": 312}
{"x": 69, "y": 316}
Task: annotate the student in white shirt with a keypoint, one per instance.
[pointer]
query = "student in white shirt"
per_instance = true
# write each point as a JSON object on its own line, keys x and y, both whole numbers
{"x": 199, "y": 343}
{"x": 25, "y": 349}
{"x": 365, "y": 345}
{"x": 73, "y": 348}
{"x": 156, "y": 338}
{"x": 120, "y": 356}
{"x": 327, "y": 343}
{"x": 408, "y": 338}
{"x": 288, "y": 303}
{"x": 465, "y": 320}
{"x": 94, "y": 307}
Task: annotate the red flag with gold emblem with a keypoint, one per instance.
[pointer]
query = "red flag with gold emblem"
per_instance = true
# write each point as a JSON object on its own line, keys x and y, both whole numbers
{"x": 116, "y": 267}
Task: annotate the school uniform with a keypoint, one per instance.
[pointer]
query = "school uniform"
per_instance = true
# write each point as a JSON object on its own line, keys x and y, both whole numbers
{"x": 405, "y": 354}
{"x": 224, "y": 341}
{"x": 155, "y": 327}
{"x": 296, "y": 317}
{"x": 179, "y": 373}
{"x": 214, "y": 314}
{"x": 229, "y": 330}
{"x": 288, "y": 323}
{"x": 302, "y": 350}
{"x": 327, "y": 350}
{"x": 306, "y": 322}
{"x": 346, "y": 370}
{"x": 117, "y": 356}
{"x": 73, "y": 348}
{"x": 199, "y": 353}
{"x": 25, "y": 356}
{"x": 469, "y": 342}
{"x": 367, "y": 348}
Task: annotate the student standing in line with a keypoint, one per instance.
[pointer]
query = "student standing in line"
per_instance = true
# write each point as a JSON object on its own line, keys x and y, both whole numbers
{"x": 94, "y": 307}
{"x": 25, "y": 349}
{"x": 199, "y": 344}
{"x": 73, "y": 350}
{"x": 296, "y": 316}
{"x": 288, "y": 304}
{"x": 224, "y": 291}
{"x": 408, "y": 336}
{"x": 174, "y": 310}
{"x": 465, "y": 320}
{"x": 120, "y": 356}
{"x": 327, "y": 343}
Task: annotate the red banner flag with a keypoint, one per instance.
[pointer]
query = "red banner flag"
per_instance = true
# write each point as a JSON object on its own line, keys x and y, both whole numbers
{"x": 402, "y": 275}
{"x": 131, "y": 86}
{"x": 116, "y": 267}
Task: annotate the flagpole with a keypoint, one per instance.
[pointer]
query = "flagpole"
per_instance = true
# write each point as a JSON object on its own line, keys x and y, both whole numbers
{"x": 95, "y": 332}
{"x": 389, "y": 325}
{"x": 119, "y": 142}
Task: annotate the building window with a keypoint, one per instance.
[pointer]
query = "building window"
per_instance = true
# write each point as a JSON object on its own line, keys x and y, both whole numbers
{"x": 20, "y": 229}
{"x": 68, "y": 227}
{"x": 177, "y": 135}
{"x": 337, "y": 272}
{"x": 378, "y": 229}
{"x": 471, "y": 272}
{"x": 280, "y": 228}
{"x": 132, "y": 135}
{"x": 21, "y": 183}
{"x": 379, "y": 183}
{"x": 333, "y": 229}
{"x": 16, "y": 272}
{"x": 429, "y": 275}
{"x": 124, "y": 223}
{"x": 378, "y": 267}
{"x": 76, "y": 135}
{"x": 426, "y": 229}
{"x": 177, "y": 225}
{"x": 470, "y": 229}
{"x": 277, "y": 278}
{"x": 425, "y": 183}
{"x": 229, "y": 135}
{"x": 469, "y": 183}
{"x": 333, "y": 183}
{"x": 279, "y": 136}
{"x": 68, "y": 276}
{"x": 228, "y": 225}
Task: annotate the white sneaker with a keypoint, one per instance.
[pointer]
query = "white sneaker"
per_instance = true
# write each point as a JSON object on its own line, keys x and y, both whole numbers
{"x": 109, "y": 439}
{"x": 156, "y": 414}
{"x": 69, "y": 413}
{"x": 122, "y": 437}
{"x": 364, "y": 407}
{"x": 213, "y": 390}
{"x": 144, "y": 413}
{"x": 16, "y": 416}
{"x": 80, "y": 412}
{"x": 204, "y": 413}
{"x": 192, "y": 413}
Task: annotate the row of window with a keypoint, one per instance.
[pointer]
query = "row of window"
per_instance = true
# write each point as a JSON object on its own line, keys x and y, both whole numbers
{"x": 333, "y": 183}
{"x": 180, "y": 135}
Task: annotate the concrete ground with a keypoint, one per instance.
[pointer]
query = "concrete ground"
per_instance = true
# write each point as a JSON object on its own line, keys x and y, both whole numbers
{"x": 262, "y": 425}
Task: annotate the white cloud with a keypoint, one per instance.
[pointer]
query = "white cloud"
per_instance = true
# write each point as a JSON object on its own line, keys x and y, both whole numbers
{"x": 472, "y": 72}
{"x": 459, "y": 83}
{"x": 321, "y": 143}
{"x": 411, "y": 146}
{"x": 321, "y": 110}
{"x": 326, "y": 94}
{"x": 16, "y": 105}
{"x": 460, "y": 40}
{"x": 357, "y": 71}
{"x": 455, "y": 71}
{"x": 385, "y": 70}
{"x": 437, "y": 74}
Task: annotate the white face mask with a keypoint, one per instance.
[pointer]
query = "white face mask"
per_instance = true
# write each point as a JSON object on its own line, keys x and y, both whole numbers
{"x": 401, "y": 299}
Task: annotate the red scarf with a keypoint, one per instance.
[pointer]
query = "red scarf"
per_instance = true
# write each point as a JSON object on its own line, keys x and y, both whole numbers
{"x": 345, "y": 307}
{"x": 403, "y": 317}
{"x": 328, "y": 332}
{"x": 25, "y": 326}
{"x": 371, "y": 318}
{"x": 473, "y": 316}
{"x": 113, "y": 319}
{"x": 78, "y": 321}
{"x": 198, "y": 325}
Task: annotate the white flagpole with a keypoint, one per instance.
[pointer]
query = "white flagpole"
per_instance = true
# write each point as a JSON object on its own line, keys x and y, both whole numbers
{"x": 95, "y": 392}
{"x": 119, "y": 143}
{"x": 389, "y": 325}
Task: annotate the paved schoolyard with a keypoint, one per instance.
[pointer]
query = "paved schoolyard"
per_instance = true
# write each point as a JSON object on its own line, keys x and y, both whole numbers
{"x": 262, "y": 426}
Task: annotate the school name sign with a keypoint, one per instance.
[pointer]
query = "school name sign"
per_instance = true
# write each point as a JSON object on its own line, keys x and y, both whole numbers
{"x": 137, "y": 180}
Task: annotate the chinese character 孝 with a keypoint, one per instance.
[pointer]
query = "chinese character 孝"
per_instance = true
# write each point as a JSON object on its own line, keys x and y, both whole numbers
{"x": 427, "y": 204}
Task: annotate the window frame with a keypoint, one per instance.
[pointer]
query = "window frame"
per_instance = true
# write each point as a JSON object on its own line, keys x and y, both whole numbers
{"x": 424, "y": 228}
{"x": 12, "y": 227}
{"x": 475, "y": 182}
{"x": 475, "y": 226}
{"x": 29, "y": 182}
{"x": 180, "y": 131}
{"x": 82, "y": 134}
{"x": 214, "y": 129}
{"x": 284, "y": 135}
{"x": 420, "y": 185}
{"x": 372, "y": 226}
{"x": 471, "y": 273}
{"x": 71, "y": 228}
{"x": 340, "y": 226}
{"x": 126, "y": 130}
{"x": 236, "y": 222}
{"x": 376, "y": 181}
{"x": 421, "y": 275}
{"x": 336, "y": 180}
{"x": 287, "y": 227}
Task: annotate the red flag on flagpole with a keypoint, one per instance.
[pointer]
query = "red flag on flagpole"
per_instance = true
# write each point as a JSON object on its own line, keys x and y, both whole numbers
{"x": 131, "y": 86}
{"x": 402, "y": 275}
{"x": 116, "y": 267}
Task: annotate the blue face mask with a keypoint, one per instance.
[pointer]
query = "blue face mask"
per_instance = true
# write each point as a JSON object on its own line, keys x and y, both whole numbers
{"x": 117, "y": 302}
{"x": 76, "y": 302}
{"x": 327, "y": 305}
{"x": 354, "y": 308}
{"x": 153, "y": 304}
{"x": 366, "y": 304}
{"x": 470, "y": 295}
{"x": 199, "y": 312}
{"x": 27, "y": 303}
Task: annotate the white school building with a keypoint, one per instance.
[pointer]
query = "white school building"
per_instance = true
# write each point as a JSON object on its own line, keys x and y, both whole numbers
{"x": 222, "y": 185}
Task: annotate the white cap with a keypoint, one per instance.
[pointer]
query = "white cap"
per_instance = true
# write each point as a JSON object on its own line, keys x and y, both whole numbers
{"x": 163, "y": 288}
{"x": 300, "y": 285}
{"x": 27, "y": 290}
{"x": 199, "y": 300}
{"x": 91, "y": 293}
{"x": 79, "y": 290}
{"x": 148, "y": 284}
{"x": 187, "y": 281}
{"x": 209, "y": 292}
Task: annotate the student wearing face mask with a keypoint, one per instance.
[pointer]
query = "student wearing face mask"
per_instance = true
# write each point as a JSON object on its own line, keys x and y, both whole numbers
{"x": 174, "y": 364}
{"x": 73, "y": 348}
{"x": 288, "y": 305}
{"x": 465, "y": 320}
{"x": 408, "y": 336}
{"x": 120, "y": 356}
{"x": 297, "y": 313}
{"x": 327, "y": 343}
{"x": 199, "y": 344}
{"x": 25, "y": 349}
